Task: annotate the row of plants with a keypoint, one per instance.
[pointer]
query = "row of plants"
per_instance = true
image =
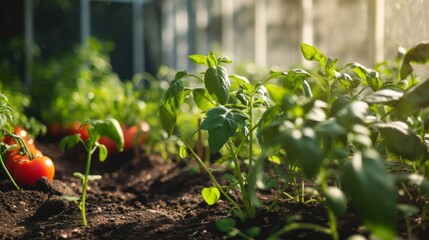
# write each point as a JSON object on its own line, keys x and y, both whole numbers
{"x": 342, "y": 135}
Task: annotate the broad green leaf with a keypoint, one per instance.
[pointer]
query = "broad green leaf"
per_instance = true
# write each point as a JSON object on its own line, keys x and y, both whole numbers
{"x": 330, "y": 127}
{"x": 415, "y": 98}
{"x": 373, "y": 193}
{"x": 171, "y": 102}
{"x": 210, "y": 195}
{"x": 226, "y": 224}
{"x": 384, "y": 96}
{"x": 69, "y": 141}
{"x": 311, "y": 53}
{"x": 399, "y": 139}
{"x": 339, "y": 103}
{"x": 294, "y": 79}
{"x": 253, "y": 231}
{"x": 240, "y": 82}
{"x": 336, "y": 200}
{"x": 203, "y": 99}
{"x": 221, "y": 124}
{"x": 417, "y": 54}
{"x": 198, "y": 59}
{"x": 276, "y": 93}
{"x": 182, "y": 152}
{"x": 306, "y": 89}
{"x": 369, "y": 75}
{"x": 217, "y": 83}
{"x": 110, "y": 128}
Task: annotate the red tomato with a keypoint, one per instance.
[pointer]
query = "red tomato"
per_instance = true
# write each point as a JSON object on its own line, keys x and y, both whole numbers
{"x": 16, "y": 158}
{"x": 28, "y": 172}
{"x": 55, "y": 130}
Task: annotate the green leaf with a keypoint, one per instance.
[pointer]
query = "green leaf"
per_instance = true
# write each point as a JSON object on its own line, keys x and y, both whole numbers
{"x": 253, "y": 231}
{"x": 78, "y": 175}
{"x": 198, "y": 59}
{"x": 414, "y": 99}
{"x": 203, "y": 99}
{"x": 294, "y": 79}
{"x": 311, "y": 53}
{"x": 70, "y": 198}
{"x": 102, "y": 152}
{"x": 210, "y": 195}
{"x": 221, "y": 124}
{"x": 399, "y": 139}
{"x": 369, "y": 75}
{"x": 217, "y": 83}
{"x": 384, "y": 96}
{"x": 240, "y": 82}
{"x": 373, "y": 192}
{"x": 417, "y": 54}
{"x": 69, "y": 141}
{"x": 277, "y": 93}
{"x": 336, "y": 200}
{"x": 171, "y": 102}
{"x": 182, "y": 152}
{"x": 110, "y": 128}
{"x": 226, "y": 224}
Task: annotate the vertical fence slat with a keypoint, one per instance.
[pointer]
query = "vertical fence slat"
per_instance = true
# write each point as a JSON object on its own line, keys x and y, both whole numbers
{"x": 260, "y": 32}
{"x": 167, "y": 35}
{"x": 307, "y": 32}
{"x": 376, "y": 30}
{"x": 227, "y": 10}
{"x": 85, "y": 27}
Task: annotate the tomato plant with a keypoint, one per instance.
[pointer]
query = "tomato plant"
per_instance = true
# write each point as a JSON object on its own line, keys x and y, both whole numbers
{"x": 97, "y": 129}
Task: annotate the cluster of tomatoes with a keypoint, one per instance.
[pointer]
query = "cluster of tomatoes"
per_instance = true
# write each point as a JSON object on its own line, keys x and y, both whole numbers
{"x": 26, "y": 164}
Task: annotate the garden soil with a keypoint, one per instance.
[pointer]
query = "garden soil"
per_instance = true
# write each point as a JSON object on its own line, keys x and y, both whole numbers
{"x": 142, "y": 197}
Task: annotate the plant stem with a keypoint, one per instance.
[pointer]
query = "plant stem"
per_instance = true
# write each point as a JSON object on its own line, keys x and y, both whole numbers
{"x": 8, "y": 174}
{"x": 85, "y": 184}
{"x": 212, "y": 177}
{"x": 331, "y": 215}
{"x": 248, "y": 203}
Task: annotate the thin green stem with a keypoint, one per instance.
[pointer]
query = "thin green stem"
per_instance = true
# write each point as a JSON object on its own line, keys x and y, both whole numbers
{"x": 8, "y": 174}
{"x": 82, "y": 207}
{"x": 249, "y": 208}
{"x": 250, "y": 153}
{"x": 331, "y": 215}
{"x": 212, "y": 177}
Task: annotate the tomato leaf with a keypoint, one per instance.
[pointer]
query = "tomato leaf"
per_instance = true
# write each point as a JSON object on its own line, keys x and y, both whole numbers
{"x": 203, "y": 99}
{"x": 372, "y": 190}
{"x": 217, "y": 83}
{"x": 226, "y": 224}
{"x": 173, "y": 98}
{"x": 69, "y": 141}
{"x": 418, "y": 54}
{"x": 336, "y": 200}
{"x": 198, "y": 59}
{"x": 294, "y": 79}
{"x": 110, "y": 128}
{"x": 221, "y": 124}
{"x": 414, "y": 99}
{"x": 311, "y": 53}
{"x": 384, "y": 96}
{"x": 210, "y": 195}
{"x": 399, "y": 139}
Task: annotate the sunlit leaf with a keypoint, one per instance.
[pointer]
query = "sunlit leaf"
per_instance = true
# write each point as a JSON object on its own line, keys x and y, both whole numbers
{"x": 417, "y": 54}
{"x": 210, "y": 195}
{"x": 414, "y": 99}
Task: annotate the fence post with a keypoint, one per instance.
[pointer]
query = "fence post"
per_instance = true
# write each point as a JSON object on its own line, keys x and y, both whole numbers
{"x": 307, "y": 31}
{"x": 138, "y": 37}
{"x": 260, "y": 32}
{"x": 28, "y": 39}
{"x": 376, "y": 30}
{"x": 227, "y": 11}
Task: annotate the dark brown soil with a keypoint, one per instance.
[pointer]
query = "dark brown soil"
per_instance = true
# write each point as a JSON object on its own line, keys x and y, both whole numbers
{"x": 139, "y": 197}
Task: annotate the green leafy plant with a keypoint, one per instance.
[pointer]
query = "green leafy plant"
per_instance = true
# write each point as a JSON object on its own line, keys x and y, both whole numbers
{"x": 96, "y": 128}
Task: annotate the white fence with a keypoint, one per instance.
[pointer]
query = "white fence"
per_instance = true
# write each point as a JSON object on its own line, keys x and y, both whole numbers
{"x": 267, "y": 32}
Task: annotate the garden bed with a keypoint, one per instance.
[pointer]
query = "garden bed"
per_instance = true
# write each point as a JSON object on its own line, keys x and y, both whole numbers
{"x": 142, "y": 197}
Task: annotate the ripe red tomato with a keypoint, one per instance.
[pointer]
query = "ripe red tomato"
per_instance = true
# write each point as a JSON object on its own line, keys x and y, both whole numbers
{"x": 14, "y": 159}
{"x": 28, "y": 172}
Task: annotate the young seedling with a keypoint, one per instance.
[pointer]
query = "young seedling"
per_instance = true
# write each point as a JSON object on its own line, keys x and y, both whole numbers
{"x": 97, "y": 128}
